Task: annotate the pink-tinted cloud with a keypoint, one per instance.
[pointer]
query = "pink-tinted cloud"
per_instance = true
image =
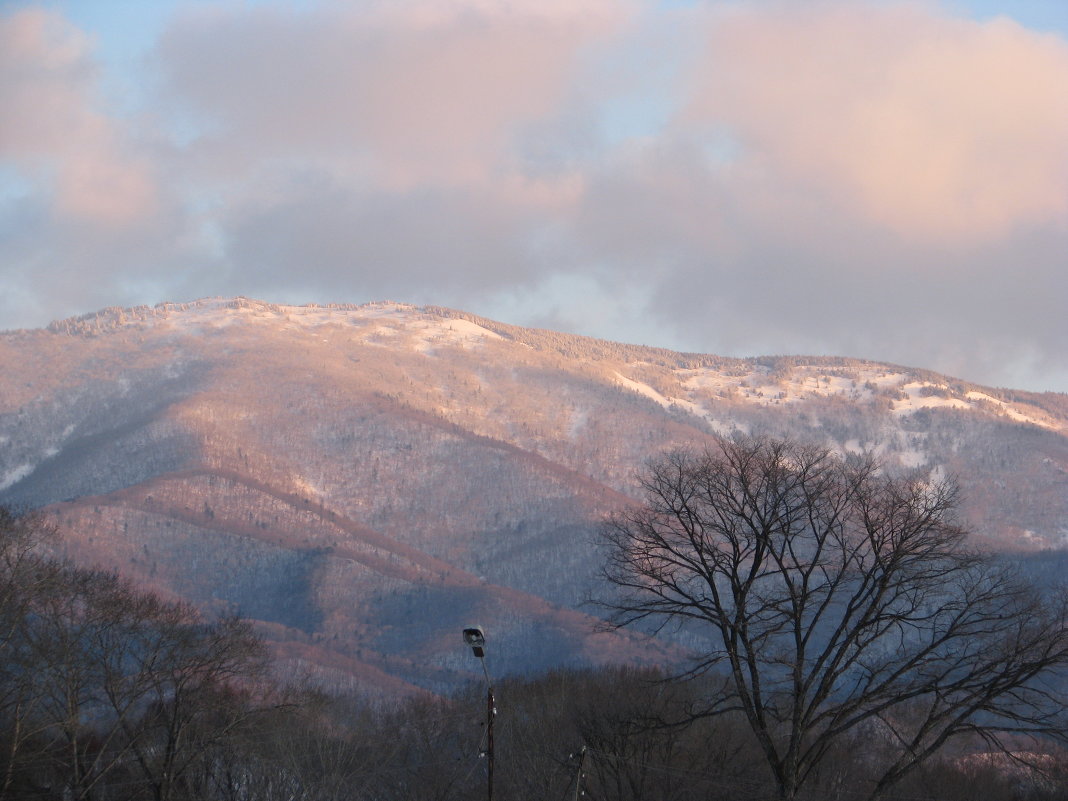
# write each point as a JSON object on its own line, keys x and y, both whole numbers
{"x": 399, "y": 94}
{"x": 52, "y": 130}
{"x": 939, "y": 129}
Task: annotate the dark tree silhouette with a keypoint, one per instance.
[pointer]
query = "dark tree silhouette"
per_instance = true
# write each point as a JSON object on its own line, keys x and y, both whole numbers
{"x": 840, "y": 600}
{"x": 105, "y": 685}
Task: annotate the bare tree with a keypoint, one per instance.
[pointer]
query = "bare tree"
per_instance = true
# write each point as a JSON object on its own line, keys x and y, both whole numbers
{"x": 74, "y": 635}
{"x": 197, "y": 681}
{"x": 836, "y": 600}
{"x": 24, "y": 577}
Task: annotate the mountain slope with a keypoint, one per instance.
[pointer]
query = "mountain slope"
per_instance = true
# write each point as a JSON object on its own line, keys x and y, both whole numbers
{"x": 365, "y": 480}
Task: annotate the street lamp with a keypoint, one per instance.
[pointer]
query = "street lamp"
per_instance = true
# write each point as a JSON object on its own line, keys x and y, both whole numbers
{"x": 476, "y": 639}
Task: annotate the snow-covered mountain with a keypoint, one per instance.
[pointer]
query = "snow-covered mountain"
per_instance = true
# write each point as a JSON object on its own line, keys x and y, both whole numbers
{"x": 366, "y": 480}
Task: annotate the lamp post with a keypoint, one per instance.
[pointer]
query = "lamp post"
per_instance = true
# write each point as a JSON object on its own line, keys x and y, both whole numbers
{"x": 476, "y": 638}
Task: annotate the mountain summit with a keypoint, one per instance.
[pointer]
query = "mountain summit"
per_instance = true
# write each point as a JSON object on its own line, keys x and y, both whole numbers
{"x": 365, "y": 480}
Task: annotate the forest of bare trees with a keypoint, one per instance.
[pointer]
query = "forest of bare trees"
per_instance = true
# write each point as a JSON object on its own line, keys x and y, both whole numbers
{"x": 855, "y": 648}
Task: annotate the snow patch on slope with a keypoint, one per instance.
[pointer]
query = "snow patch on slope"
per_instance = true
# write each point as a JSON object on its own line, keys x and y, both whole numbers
{"x": 915, "y": 399}
{"x": 642, "y": 389}
{"x": 721, "y": 427}
{"x": 12, "y": 477}
{"x": 761, "y": 387}
{"x": 1005, "y": 408}
{"x": 436, "y": 332}
{"x": 913, "y": 458}
{"x": 424, "y": 331}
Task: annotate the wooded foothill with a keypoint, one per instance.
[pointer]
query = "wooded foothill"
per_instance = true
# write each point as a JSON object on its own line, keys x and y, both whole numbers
{"x": 860, "y": 640}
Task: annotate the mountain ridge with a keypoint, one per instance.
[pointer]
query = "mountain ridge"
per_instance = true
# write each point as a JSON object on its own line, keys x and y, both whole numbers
{"x": 323, "y": 468}
{"x": 139, "y": 317}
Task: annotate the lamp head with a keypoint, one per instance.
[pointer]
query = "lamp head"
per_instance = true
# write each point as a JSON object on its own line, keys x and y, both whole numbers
{"x": 474, "y": 637}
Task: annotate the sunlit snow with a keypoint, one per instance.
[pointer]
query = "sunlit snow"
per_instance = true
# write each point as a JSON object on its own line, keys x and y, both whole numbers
{"x": 698, "y": 390}
{"x": 423, "y": 331}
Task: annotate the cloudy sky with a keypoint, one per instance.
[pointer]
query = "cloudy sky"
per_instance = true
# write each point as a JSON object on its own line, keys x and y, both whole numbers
{"x": 879, "y": 179}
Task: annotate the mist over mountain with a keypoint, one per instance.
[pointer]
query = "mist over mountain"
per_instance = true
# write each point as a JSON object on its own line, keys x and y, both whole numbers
{"x": 363, "y": 481}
